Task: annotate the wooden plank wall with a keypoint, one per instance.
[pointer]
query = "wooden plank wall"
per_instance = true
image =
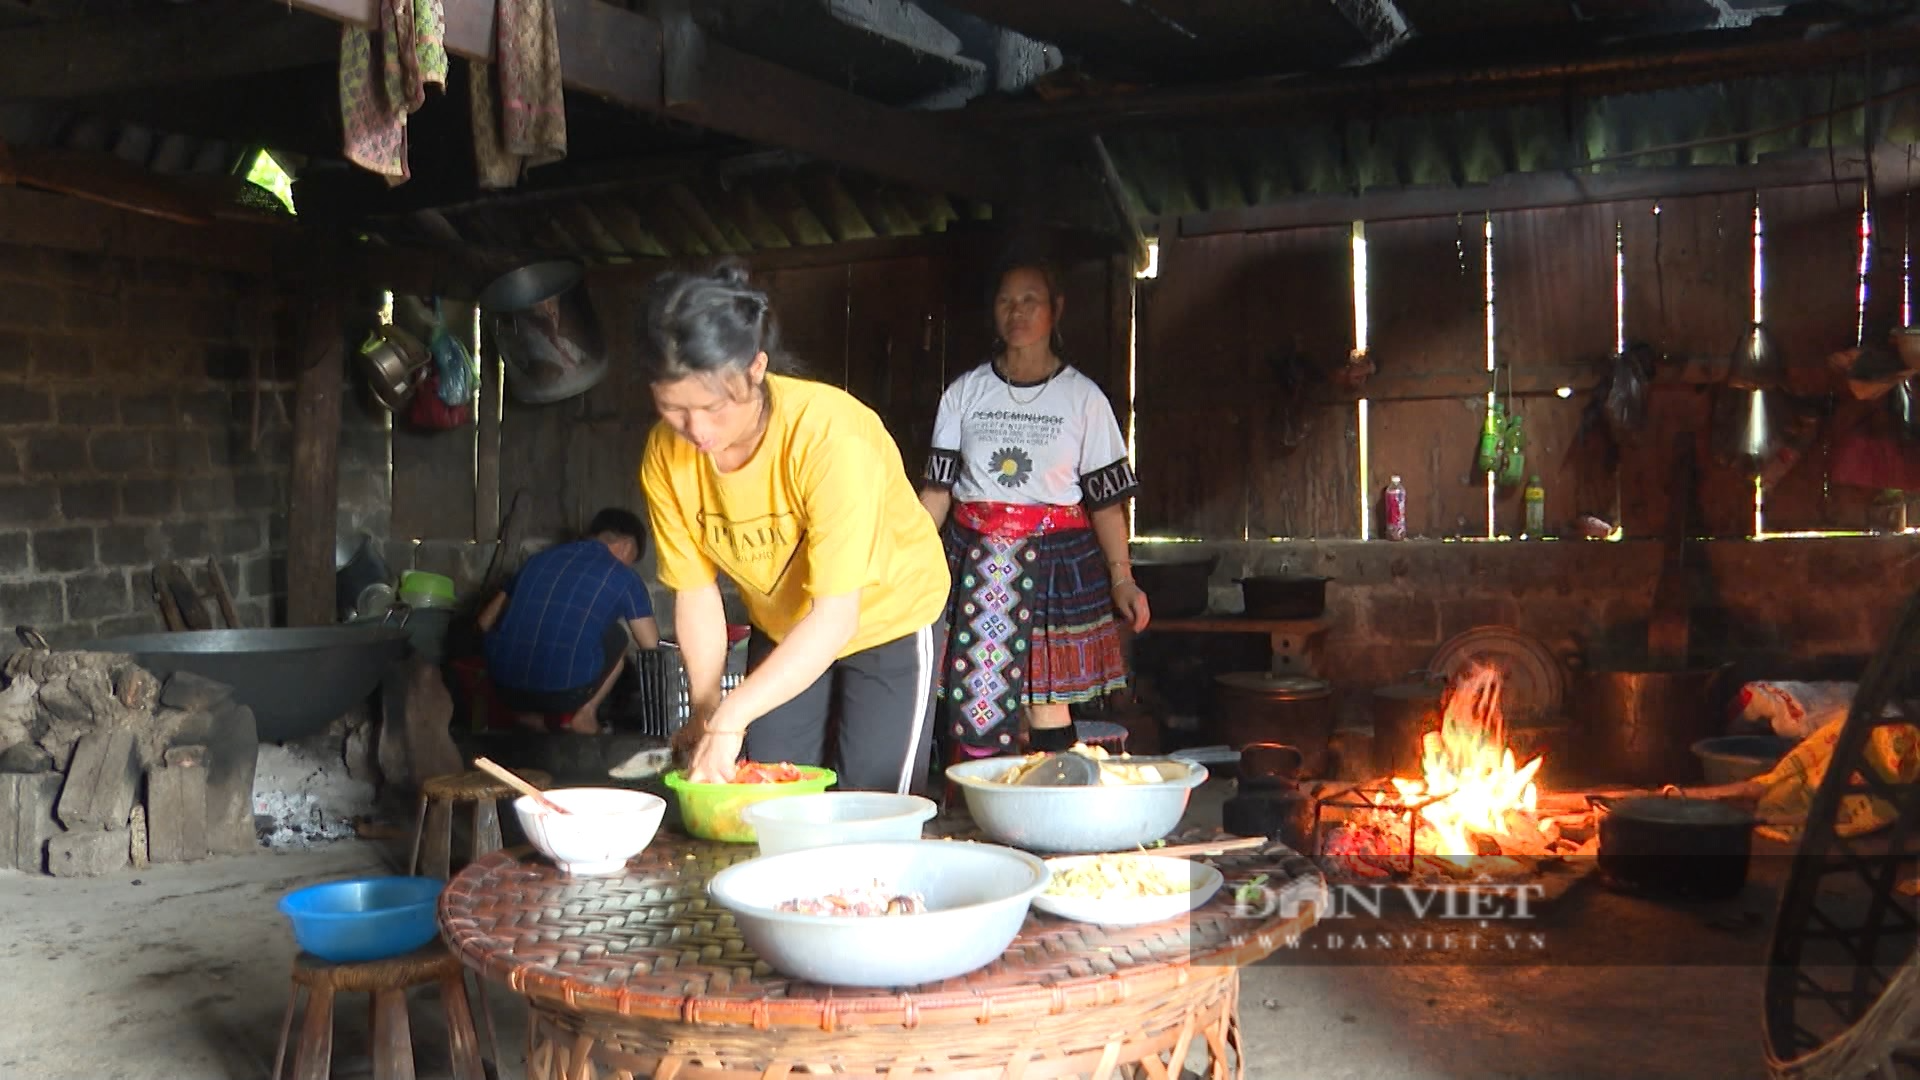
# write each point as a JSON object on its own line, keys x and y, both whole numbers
{"x": 1219, "y": 455}
{"x": 433, "y": 471}
{"x": 1683, "y": 268}
{"x": 1426, "y": 304}
{"x": 893, "y": 330}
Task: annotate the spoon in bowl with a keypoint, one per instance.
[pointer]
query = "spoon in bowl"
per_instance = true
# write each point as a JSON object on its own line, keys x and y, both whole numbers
{"x": 513, "y": 779}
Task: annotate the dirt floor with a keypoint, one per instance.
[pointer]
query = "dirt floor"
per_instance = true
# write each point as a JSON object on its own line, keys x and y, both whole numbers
{"x": 180, "y": 973}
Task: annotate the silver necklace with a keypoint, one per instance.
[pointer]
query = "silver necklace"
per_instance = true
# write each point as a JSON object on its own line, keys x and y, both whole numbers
{"x": 1058, "y": 367}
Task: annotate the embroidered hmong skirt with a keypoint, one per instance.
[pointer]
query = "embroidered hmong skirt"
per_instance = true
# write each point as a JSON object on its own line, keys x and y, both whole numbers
{"x": 1031, "y": 622}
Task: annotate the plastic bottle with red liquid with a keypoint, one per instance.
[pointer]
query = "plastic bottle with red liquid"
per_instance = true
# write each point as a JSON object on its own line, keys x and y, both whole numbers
{"x": 1396, "y": 509}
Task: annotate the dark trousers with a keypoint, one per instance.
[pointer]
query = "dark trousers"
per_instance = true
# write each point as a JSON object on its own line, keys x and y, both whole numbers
{"x": 616, "y": 640}
{"x": 874, "y": 709}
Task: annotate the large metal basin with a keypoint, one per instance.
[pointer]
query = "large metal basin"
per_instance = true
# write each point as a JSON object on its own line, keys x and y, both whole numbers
{"x": 296, "y": 680}
{"x": 1073, "y": 820}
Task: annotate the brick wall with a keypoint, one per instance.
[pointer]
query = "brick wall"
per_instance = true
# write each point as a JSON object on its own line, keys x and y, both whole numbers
{"x": 127, "y": 397}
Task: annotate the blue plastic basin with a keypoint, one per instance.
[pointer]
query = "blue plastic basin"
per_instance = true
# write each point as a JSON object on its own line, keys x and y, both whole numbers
{"x": 365, "y": 918}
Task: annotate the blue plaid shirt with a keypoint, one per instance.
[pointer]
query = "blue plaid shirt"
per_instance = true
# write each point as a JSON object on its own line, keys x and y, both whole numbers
{"x": 558, "y": 609}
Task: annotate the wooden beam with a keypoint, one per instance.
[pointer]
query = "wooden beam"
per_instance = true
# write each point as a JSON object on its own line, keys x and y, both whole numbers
{"x": 630, "y": 59}
{"x": 1127, "y": 217}
{"x": 313, "y": 515}
{"x": 1534, "y": 191}
{"x": 1785, "y": 46}
{"x": 158, "y": 47}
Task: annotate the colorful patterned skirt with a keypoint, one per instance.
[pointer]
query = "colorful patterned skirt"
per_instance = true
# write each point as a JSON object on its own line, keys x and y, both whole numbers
{"x": 1031, "y": 623}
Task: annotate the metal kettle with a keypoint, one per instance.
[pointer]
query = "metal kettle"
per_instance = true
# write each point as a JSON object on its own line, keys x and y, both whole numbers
{"x": 394, "y": 361}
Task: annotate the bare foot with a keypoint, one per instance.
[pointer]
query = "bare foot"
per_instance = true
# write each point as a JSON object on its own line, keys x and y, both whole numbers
{"x": 584, "y": 722}
{"x": 531, "y": 721}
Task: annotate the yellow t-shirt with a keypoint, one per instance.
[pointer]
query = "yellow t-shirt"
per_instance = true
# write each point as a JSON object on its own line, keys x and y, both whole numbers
{"x": 822, "y": 508}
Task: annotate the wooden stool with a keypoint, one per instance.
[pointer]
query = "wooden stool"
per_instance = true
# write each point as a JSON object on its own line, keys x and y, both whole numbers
{"x": 433, "y": 825}
{"x": 387, "y": 981}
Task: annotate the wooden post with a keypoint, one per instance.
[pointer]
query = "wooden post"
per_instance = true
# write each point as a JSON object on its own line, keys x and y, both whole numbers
{"x": 313, "y": 516}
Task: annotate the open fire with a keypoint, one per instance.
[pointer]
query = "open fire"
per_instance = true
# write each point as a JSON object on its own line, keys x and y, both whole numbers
{"x": 1474, "y": 812}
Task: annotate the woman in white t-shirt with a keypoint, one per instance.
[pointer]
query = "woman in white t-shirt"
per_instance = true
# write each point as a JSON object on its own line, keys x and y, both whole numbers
{"x": 1029, "y": 477}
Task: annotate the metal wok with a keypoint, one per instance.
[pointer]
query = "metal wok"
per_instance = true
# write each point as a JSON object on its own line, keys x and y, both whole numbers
{"x": 296, "y": 680}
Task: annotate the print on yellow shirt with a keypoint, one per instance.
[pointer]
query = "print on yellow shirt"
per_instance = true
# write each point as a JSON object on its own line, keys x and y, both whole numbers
{"x": 756, "y": 552}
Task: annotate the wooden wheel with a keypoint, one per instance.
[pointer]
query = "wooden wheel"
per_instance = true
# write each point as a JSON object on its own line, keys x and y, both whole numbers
{"x": 1843, "y": 981}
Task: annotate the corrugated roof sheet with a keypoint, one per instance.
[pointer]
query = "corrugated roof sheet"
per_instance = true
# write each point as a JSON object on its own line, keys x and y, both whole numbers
{"x": 1200, "y": 169}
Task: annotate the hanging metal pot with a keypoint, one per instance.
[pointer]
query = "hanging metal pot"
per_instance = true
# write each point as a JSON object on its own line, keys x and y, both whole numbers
{"x": 1746, "y": 428}
{"x": 545, "y": 331}
{"x": 1758, "y": 363}
{"x": 394, "y": 361}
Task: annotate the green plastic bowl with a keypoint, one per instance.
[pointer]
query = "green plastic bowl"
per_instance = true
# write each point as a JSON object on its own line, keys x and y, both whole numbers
{"x": 421, "y": 589}
{"x": 713, "y": 811}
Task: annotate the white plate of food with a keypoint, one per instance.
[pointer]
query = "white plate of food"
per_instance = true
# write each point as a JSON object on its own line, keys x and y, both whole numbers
{"x": 1126, "y": 888}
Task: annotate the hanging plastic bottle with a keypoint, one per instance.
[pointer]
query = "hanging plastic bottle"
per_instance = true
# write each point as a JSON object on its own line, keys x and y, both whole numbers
{"x": 1487, "y": 458}
{"x": 1536, "y": 509}
{"x": 1513, "y": 455}
{"x": 1396, "y": 509}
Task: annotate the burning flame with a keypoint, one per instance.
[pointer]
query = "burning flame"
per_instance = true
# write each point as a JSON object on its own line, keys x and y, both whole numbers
{"x": 1470, "y": 773}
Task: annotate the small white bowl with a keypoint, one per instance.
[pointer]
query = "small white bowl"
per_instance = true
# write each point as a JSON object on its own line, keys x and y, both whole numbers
{"x": 1204, "y": 881}
{"x": 602, "y": 829}
{"x": 837, "y": 817}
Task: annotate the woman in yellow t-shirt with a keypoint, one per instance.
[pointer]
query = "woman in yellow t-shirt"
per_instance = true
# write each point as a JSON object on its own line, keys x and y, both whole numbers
{"x": 796, "y": 492}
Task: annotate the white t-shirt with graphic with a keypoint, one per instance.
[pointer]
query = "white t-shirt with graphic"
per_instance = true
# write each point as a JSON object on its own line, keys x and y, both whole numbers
{"x": 1054, "y": 443}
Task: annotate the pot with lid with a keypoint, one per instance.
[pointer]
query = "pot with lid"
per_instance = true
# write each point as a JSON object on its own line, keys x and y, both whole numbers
{"x": 1672, "y": 845}
{"x": 1252, "y": 707}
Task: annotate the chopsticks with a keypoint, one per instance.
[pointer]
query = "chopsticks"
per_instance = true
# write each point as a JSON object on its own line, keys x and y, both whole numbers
{"x": 1211, "y": 847}
{"x": 524, "y": 788}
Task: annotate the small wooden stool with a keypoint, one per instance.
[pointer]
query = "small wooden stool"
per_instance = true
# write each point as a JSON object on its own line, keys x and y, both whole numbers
{"x": 387, "y": 981}
{"x": 433, "y": 825}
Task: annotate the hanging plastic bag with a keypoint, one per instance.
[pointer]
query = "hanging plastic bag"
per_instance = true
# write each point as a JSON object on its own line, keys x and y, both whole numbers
{"x": 430, "y": 412}
{"x": 459, "y": 373}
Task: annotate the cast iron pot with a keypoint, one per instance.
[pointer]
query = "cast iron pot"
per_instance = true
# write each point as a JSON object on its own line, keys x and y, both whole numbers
{"x": 1177, "y": 588}
{"x": 1670, "y": 845}
{"x": 1285, "y": 596}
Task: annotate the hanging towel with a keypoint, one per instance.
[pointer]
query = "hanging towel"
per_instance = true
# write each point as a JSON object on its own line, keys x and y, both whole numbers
{"x": 377, "y": 97}
{"x": 519, "y": 106}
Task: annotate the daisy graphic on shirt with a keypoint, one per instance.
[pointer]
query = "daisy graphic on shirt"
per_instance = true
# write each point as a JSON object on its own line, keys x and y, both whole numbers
{"x": 1011, "y": 466}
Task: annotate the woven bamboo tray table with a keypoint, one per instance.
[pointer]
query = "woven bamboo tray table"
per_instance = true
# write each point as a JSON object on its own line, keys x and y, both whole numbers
{"x": 641, "y": 976}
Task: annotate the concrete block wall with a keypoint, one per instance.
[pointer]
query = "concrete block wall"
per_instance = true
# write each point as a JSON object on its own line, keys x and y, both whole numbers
{"x": 1774, "y": 608}
{"x": 128, "y": 384}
